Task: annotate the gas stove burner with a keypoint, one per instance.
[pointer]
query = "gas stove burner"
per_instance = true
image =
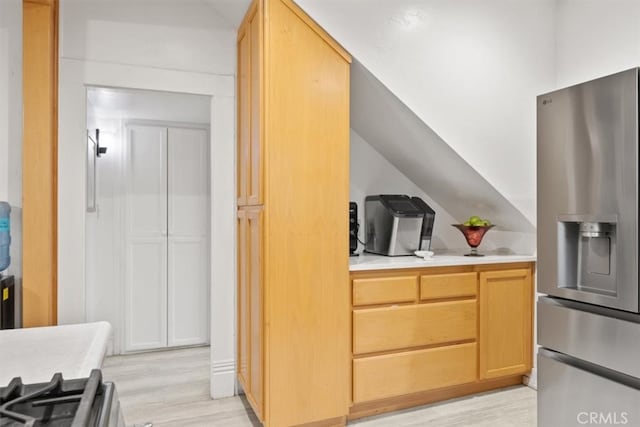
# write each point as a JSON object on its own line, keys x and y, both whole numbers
{"x": 85, "y": 402}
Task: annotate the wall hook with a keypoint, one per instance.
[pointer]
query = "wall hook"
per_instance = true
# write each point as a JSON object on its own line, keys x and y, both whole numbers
{"x": 99, "y": 150}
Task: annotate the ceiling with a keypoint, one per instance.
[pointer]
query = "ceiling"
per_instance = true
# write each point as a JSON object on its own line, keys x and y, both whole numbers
{"x": 231, "y": 10}
{"x": 121, "y": 104}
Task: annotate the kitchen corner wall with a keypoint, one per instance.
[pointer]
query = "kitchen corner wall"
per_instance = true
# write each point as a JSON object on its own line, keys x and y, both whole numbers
{"x": 181, "y": 47}
{"x": 11, "y": 128}
{"x": 470, "y": 70}
{"x": 596, "y": 38}
{"x": 372, "y": 173}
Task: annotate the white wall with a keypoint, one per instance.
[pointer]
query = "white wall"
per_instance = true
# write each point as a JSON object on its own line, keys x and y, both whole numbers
{"x": 11, "y": 127}
{"x": 104, "y": 274}
{"x": 11, "y": 101}
{"x": 173, "y": 46}
{"x": 596, "y": 38}
{"x": 469, "y": 69}
{"x": 176, "y": 35}
{"x": 372, "y": 173}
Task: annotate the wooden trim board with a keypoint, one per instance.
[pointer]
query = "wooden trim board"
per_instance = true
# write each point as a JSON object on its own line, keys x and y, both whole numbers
{"x": 40, "y": 148}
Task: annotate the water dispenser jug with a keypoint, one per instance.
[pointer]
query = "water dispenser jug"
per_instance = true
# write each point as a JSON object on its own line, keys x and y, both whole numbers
{"x": 5, "y": 236}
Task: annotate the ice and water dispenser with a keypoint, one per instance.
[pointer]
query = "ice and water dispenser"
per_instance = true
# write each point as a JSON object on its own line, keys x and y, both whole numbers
{"x": 587, "y": 254}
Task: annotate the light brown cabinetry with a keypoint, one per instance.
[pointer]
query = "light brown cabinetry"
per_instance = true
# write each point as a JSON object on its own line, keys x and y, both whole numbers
{"x": 250, "y": 95}
{"x": 293, "y": 160}
{"x": 422, "y": 335}
{"x": 396, "y": 327}
{"x": 506, "y": 304}
{"x": 409, "y": 372}
{"x": 243, "y": 300}
{"x": 381, "y": 290}
{"x": 450, "y": 285}
{"x": 250, "y": 305}
{"x": 39, "y": 162}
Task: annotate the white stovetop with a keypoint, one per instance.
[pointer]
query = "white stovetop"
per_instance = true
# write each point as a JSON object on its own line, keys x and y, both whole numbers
{"x": 366, "y": 262}
{"x": 35, "y": 354}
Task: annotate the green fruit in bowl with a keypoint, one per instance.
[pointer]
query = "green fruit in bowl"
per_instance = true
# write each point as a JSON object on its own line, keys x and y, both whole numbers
{"x": 474, "y": 220}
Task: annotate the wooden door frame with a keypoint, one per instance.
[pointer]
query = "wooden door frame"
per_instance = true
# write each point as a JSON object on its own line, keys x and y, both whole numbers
{"x": 40, "y": 162}
{"x": 75, "y": 76}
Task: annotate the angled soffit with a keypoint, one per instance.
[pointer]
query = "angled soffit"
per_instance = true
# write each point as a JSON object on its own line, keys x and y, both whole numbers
{"x": 397, "y": 133}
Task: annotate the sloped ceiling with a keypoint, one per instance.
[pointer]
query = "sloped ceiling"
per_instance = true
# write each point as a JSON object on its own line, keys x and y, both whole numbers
{"x": 449, "y": 95}
{"x": 470, "y": 71}
{"x": 231, "y": 10}
{"x": 397, "y": 133}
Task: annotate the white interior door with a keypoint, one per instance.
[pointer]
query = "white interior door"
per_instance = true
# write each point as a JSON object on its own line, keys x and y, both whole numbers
{"x": 146, "y": 239}
{"x": 188, "y": 214}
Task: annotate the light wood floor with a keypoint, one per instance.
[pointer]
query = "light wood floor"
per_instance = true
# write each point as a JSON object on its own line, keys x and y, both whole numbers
{"x": 171, "y": 388}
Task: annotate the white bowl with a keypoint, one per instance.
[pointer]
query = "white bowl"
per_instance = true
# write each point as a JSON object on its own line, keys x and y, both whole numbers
{"x": 424, "y": 254}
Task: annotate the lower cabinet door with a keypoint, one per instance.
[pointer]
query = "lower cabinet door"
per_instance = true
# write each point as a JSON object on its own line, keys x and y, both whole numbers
{"x": 408, "y": 372}
{"x": 506, "y": 304}
{"x": 250, "y": 306}
{"x": 243, "y": 301}
{"x": 254, "y": 216}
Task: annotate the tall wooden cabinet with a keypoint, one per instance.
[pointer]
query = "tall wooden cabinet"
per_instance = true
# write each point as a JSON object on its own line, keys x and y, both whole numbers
{"x": 293, "y": 161}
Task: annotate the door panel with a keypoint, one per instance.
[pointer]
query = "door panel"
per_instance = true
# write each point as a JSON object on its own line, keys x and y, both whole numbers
{"x": 506, "y": 304}
{"x": 570, "y": 394}
{"x": 243, "y": 303}
{"x": 569, "y": 328}
{"x": 188, "y": 218}
{"x": 254, "y": 196}
{"x": 244, "y": 120}
{"x": 307, "y": 99}
{"x": 188, "y": 175}
{"x": 146, "y": 296}
{"x": 146, "y": 239}
{"x": 188, "y": 291}
{"x": 147, "y": 181}
{"x": 587, "y": 156}
{"x": 254, "y": 216}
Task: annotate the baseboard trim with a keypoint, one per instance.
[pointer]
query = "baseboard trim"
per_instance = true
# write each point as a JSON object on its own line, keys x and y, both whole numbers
{"x": 223, "y": 378}
{"x": 532, "y": 379}
{"x": 367, "y": 409}
{"x": 332, "y": 422}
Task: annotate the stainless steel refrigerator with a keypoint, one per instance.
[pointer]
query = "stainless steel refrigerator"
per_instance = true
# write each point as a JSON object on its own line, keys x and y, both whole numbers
{"x": 589, "y": 322}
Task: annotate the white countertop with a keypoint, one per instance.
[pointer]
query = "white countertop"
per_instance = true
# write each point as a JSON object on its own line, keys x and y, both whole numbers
{"x": 35, "y": 354}
{"x": 366, "y": 262}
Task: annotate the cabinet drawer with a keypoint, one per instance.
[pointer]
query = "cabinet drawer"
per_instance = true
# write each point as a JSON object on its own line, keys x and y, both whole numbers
{"x": 448, "y": 285}
{"x": 381, "y": 290}
{"x": 391, "y": 328}
{"x": 396, "y": 374}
